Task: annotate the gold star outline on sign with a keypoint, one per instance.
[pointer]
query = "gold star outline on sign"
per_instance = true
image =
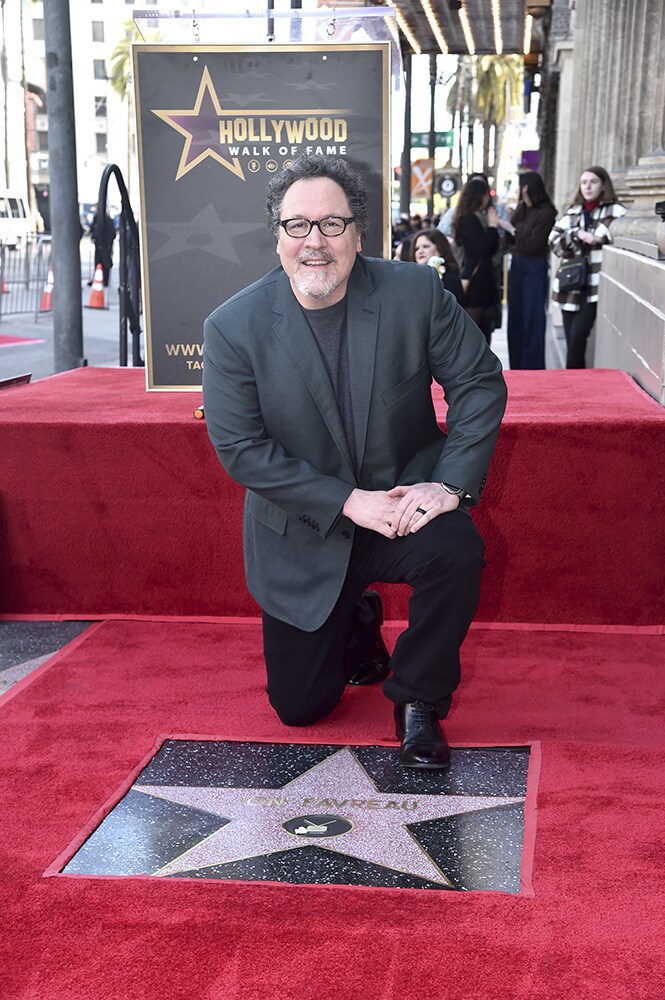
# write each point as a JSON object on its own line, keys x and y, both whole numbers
{"x": 195, "y": 133}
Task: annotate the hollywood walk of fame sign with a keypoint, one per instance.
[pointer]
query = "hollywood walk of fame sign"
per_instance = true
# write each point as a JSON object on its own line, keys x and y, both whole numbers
{"x": 215, "y": 123}
{"x": 317, "y": 814}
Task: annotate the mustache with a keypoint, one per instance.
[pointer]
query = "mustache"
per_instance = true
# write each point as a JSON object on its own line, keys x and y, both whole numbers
{"x": 316, "y": 255}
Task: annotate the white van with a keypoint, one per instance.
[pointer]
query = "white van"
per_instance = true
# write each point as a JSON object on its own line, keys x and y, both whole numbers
{"x": 14, "y": 219}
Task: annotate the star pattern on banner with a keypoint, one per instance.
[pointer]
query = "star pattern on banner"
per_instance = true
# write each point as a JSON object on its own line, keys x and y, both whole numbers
{"x": 316, "y": 808}
{"x": 206, "y": 232}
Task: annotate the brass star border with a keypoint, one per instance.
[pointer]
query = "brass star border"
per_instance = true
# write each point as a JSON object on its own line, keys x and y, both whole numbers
{"x": 247, "y": 811}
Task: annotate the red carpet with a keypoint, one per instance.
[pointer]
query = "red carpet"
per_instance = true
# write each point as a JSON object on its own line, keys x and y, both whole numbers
{"x": 113, "y": 502}
{"x": 593, "y": 929}
{"x": 8, "y": 341}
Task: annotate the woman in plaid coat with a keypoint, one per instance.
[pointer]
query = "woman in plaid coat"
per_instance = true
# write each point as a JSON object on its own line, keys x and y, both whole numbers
{"x": 585, "y": 228}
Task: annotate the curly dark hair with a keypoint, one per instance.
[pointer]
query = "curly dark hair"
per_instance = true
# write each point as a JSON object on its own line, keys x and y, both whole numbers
{"x": 308, "y": 167}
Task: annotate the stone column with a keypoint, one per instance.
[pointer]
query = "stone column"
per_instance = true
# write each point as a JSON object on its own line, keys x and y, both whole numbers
{"x": 641, "y": 229}
{"x": 630, "y": 328}
{"x": 619, "y": 44}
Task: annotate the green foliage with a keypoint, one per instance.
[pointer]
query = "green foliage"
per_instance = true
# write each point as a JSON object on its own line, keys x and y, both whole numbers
{"x": 484, "y": 90}
{"x": 121, "y": 57}
{"x": 498, "y": 87}
{"x": 487, "y": 87}
{"x": 121, "y": 60}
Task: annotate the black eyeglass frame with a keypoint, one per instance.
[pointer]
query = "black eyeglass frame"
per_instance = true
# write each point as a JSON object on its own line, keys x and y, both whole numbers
{"x": 317, "y": 222}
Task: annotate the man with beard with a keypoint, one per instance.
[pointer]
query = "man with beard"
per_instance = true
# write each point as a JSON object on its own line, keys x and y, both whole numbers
{"x": 317, "y": 393}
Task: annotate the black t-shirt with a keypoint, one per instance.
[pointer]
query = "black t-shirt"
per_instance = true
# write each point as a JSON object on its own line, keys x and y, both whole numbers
{"x": 330, "y": 332}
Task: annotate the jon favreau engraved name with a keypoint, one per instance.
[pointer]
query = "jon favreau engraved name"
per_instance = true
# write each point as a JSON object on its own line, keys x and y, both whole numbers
{"x": 268, "y": 801}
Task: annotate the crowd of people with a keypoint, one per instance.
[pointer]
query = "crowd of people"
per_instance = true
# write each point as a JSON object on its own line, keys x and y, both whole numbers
{"x": 469, "y": 242}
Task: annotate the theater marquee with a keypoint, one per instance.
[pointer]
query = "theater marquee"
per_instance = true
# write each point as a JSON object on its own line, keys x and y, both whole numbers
{"x": 214, "y": 124}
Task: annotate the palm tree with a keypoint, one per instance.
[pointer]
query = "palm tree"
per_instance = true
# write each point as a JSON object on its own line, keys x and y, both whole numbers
{"x": 498, "y": 88}
{"x": 121, "y": 60}
{"x": 460, "y": 98}
{"x": 121, "y": 78}
{"x": 484, "y": 90}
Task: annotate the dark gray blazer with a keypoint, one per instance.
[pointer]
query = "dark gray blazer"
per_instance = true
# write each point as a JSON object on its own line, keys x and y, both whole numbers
{"x": 273, "y": 419}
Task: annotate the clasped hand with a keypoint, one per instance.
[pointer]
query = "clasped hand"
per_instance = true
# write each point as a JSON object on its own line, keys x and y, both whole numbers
{"x": 399, "y": 511}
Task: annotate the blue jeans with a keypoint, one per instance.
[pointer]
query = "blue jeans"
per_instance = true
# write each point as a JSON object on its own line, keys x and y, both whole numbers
{"x": 527, "y": 293}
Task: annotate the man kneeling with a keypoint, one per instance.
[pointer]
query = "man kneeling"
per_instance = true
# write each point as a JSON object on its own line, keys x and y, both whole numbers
{"x": 317, "y": 393}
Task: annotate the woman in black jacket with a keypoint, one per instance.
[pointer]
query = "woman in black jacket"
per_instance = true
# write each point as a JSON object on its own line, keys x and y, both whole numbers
{"x": 475, "y": 231}
{"x": 430, "y": 246}
{"x": 527, "y": 280}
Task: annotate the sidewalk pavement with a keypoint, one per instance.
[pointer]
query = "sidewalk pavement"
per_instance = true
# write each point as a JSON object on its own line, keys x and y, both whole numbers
{"x": 34, "y": 352}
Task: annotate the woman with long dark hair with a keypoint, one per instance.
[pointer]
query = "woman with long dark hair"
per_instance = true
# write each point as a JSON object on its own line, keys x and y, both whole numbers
{"x": 430, "y": 246}
{"x": 475, "y": 231}
{"x": 584, "y": 229}
{"x": 532, "y": 219}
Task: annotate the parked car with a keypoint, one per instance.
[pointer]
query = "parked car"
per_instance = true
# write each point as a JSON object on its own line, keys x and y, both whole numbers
{"x": 15, "y": 224}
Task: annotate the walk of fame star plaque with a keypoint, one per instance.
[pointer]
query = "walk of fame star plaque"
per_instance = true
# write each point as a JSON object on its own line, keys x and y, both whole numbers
{"x": 321, "y": 814}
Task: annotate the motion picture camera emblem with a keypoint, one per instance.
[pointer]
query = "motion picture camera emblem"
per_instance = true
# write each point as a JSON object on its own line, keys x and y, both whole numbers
{"x": 317, "y": 826}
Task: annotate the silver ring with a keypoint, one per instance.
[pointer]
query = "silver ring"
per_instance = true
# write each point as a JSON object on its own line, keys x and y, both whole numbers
{"x": 419, "y": 510}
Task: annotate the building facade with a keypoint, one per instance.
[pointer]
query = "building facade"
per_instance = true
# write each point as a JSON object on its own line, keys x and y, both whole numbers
{"x": 105, "y": 131}
{"x": 610, "y": 77}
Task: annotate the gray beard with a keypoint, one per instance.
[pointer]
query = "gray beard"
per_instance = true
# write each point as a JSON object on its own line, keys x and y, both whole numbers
{"x": 315, "y": 286}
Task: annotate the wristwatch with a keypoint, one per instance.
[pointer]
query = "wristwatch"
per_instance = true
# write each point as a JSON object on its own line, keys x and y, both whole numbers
{"x": 454, "y": 490}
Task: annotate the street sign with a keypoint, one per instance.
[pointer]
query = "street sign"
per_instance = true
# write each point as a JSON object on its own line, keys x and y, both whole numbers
{"x": 422, "y": 176}
{"x": 420, "y": 140}
{"x": 448, "y": 184}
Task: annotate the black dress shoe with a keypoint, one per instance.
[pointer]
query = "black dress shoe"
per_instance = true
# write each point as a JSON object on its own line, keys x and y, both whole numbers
{"x": 367, "y": 656}
{"x": 423, "y": 742}
{"x": 370, "y": 671}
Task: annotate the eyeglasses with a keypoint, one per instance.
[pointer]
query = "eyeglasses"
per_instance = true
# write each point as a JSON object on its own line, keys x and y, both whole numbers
{"x": 332, "y": 225}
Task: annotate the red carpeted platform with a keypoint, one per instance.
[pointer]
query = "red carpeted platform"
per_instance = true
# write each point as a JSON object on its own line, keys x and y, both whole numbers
{"x": 112, "y": 501}
{"x": 593, "y": 930}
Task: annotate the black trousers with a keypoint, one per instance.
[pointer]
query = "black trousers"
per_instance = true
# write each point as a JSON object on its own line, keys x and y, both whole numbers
{"x": 577, "y": 326}
{"x": 308, "y": 671}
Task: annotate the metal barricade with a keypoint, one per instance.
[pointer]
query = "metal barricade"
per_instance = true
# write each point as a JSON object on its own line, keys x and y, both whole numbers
{"x": 23, "y": 273}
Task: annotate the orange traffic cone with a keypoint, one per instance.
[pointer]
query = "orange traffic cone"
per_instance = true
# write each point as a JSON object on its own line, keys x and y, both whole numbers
{"x": 96, "y": 300}
{"x": 47, "y": 295}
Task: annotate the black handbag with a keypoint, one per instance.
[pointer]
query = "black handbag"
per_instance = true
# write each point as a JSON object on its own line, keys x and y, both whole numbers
{"x": 572, "y": 274}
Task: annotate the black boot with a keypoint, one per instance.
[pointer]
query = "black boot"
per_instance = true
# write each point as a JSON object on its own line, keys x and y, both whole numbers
{"x": 423, "y": 742}
{"x": 367, "y": 656}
